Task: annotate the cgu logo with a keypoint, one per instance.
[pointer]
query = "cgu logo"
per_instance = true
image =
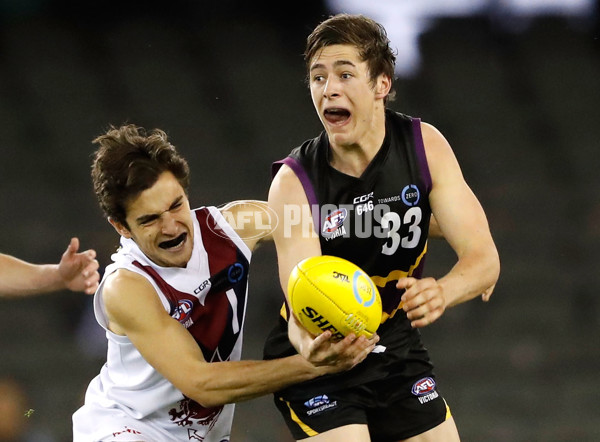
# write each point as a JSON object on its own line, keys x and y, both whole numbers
{"x": 334, "y": 220}
{"x": 183, "y": 310}
{"x": 363, "y": 198}
{"x": 341, "y": 276}
{"x": 424, "y": 386}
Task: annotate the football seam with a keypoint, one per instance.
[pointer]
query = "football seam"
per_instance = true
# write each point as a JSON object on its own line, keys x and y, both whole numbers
{"x": 321, "y": 291}
{"x": 325, "y": 296}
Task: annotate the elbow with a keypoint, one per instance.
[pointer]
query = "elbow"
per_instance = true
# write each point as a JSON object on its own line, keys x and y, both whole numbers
{"x": 492, "y": 275}
{"x": 204, "y": 390}
{"x": 494, "y": 266}
{"x": 487, "y": 263}
{"x": 484, "y": 271}
{"x": 212, "y": 402}
{"x": 495, "y": 275}
{"x": 206, "y": 398}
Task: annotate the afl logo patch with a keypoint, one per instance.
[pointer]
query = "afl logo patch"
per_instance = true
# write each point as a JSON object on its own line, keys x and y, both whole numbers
{"x": 411, "y": 195}
{"x": 423, "y": 386}
{"x": 334, "y": 220}
{"x": 183, "y": 310}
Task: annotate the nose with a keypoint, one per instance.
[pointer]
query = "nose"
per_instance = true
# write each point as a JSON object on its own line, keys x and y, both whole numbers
{"x": 169, "y": 224}
{"x": 331, "y": 88}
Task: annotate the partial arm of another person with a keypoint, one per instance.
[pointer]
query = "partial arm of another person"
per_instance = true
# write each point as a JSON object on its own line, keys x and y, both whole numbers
{"x": 77, "y": 272}
{"x": 463, "y": 223}
{"x": 134, "y": 309}
{"x": 252, "y": 220}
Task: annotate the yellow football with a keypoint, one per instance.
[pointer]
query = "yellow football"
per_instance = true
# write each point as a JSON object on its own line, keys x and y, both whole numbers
{"x": 331, "y": 293}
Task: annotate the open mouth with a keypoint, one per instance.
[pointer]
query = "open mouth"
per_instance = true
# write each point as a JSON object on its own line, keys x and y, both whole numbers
{"x": 336, "y": 115}
{"x": 173, "y": 242}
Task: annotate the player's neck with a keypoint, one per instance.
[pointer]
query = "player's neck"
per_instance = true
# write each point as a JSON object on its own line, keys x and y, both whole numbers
{"x": 353, "y": 159}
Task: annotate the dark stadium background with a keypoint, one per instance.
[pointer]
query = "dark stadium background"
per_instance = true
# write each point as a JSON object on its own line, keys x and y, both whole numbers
{"x": 225, "y": 80}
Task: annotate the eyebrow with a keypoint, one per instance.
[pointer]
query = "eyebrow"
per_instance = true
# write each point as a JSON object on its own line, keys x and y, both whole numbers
{"x": 152, "y": 216}
{"x": 336, "y": 64}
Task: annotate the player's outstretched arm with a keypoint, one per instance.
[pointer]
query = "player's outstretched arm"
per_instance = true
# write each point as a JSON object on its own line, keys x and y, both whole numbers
{"x": 295, "y": 240}
{"x": 75, "y": 271}
{"x": 322, "y": 350}
{"x": 294, "y": 236}
{"x": 134, "y": 310}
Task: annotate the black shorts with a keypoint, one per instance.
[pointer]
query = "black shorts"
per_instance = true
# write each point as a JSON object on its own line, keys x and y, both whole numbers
{"x": 393, "y": 409}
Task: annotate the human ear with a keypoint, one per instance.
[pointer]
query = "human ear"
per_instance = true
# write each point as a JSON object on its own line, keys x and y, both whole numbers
{"x": 383, "y": 86}
{"x": 120, "y": 228}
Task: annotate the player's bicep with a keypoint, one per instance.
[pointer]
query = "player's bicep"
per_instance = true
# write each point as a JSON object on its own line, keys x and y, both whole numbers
{"x": 457, "y": 211}
{"x": 294, "y": 236}
{"x": 134, "y": 309}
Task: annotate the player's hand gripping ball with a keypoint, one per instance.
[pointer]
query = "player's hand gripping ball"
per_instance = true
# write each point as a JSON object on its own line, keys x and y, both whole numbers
{"x": 331, "y": 293}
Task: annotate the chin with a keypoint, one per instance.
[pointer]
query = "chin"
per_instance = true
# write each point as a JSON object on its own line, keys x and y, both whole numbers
{"x": 342, "y": 139}
{"x": 175, "y": 263}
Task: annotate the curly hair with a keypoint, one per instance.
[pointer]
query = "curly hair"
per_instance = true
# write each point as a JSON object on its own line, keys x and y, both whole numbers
{"x": 128, "y": 161}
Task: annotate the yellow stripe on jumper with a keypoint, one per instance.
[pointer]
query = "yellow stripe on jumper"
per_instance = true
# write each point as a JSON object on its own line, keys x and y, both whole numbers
{"x": 307, "y": 430}
{"x": 381, "y": 281}
{"x": 394, "y": 275}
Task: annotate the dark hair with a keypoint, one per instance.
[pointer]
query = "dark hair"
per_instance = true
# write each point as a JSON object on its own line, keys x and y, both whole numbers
{"x": 368, "y": 36}
{"x": 129, "y": 161}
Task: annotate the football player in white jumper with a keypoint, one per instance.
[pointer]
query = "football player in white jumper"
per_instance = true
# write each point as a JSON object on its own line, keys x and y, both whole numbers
{"x": 173, "y": 303}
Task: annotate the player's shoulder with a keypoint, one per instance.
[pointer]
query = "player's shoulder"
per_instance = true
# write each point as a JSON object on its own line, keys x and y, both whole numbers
{"x": 430, "y": 132}
{"x": 437, "y": 147}
{"x": 122, "y": 285}
{"x": 285, "y": 175}
{"x": 127, "y": 296}
{"x": 441, "y": 159}
{"x": 286, "y": 188}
